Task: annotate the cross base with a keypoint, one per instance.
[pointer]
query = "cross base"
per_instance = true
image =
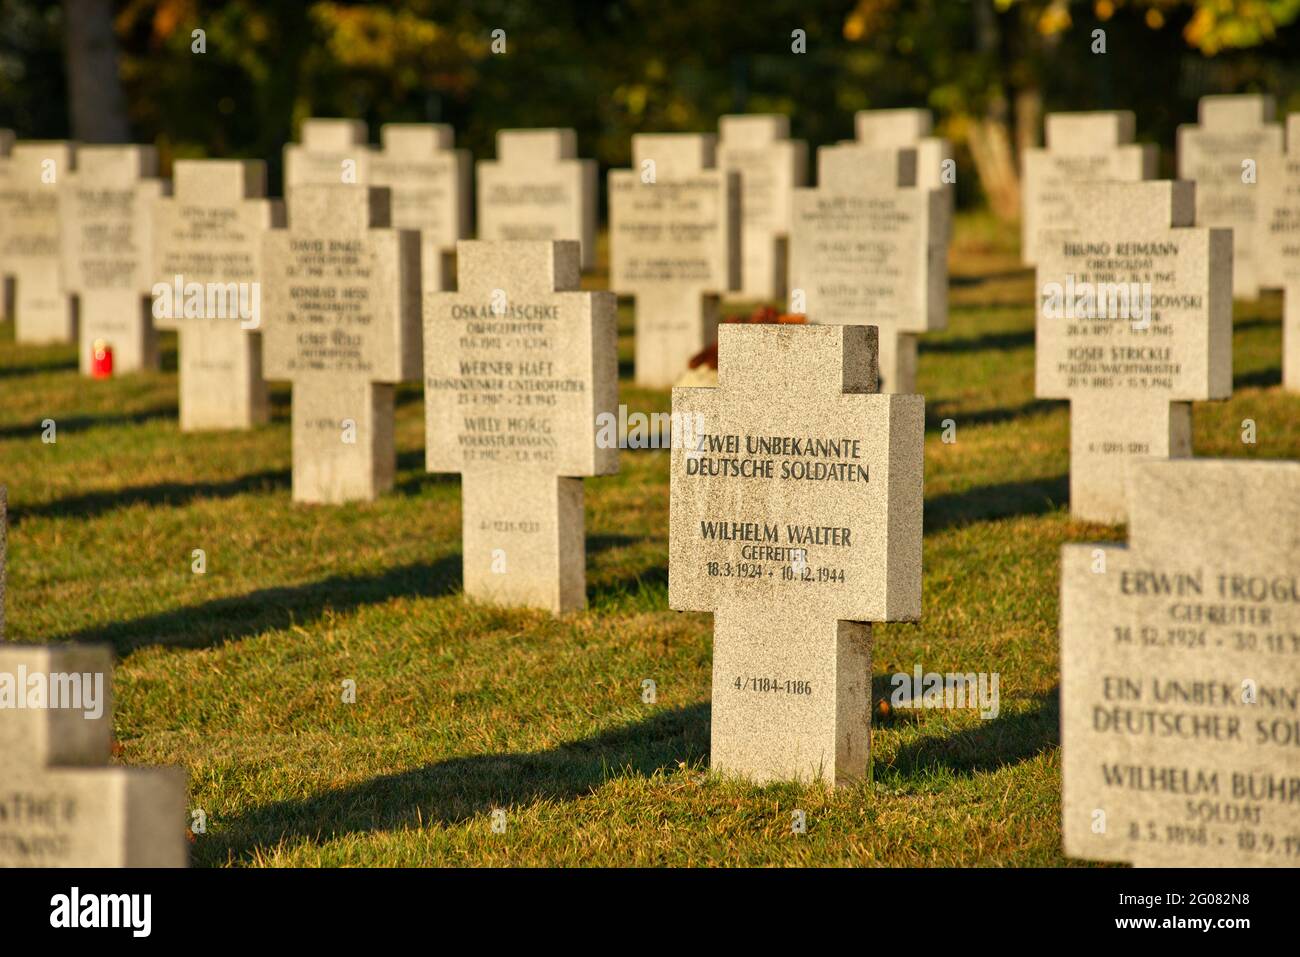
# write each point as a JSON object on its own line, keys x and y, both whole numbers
{"x": 343, "y": 444}
{"x": 43, "y": 314}
{"x": 1108, "y": 432}
{"x": 221, "y": 377}
{"x": 124, "y": 320}
{"x": 671, "y": 326}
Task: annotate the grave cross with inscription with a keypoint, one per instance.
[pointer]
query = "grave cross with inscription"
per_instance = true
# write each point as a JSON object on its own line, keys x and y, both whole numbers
{"x": 797, "y": 524}
{"x": 1085, "y": 147}
{"x": 518, "y": 365}
{"x": 33, "y": 180}
{"x": 1180, "y": 672}
{"x": 771, "y": 166}
{"x": 867, "y": 246}
{"x": 913, "y": 129}
{"x": 429, "y": 180}
{"x": 1134, "y": 323}
{"x": 332, "y": 152}
{"x": 1221, "y": 155}
{"x": 674, "y": 228}
{"x": 207, "y": 242}
{"x": 341, "y": 320}
{"x": 1277, "y": 244}
{"x": 107, "y": 249}
{"x": 538, "y": 189}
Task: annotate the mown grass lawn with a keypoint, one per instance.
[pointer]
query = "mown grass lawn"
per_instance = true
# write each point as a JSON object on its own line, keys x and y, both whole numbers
{"x": 461, "y": 709}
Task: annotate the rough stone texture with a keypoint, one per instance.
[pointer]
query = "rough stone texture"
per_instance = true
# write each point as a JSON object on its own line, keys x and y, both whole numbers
{"x": 1129, "y": 386}
{"x": 911, "y": 129}
{"x": 674, "y": 247}
{"x": 4, "y": 544}
{"x": 211, "y": 233}
{"x": 1277, "y": 243}
{"x": 518, "y": 365}
{"x": 430, "y": 182}
{"x": 6, "y": 281}
{"x": 332, "y": 152}
{"x": 33, "y": 180}
{"x": 538, "y": 189}
{"x": 63, "y": 806}
{"x": 107, "y": 249}
{"x": 1087, "y": 147}
{"x": 341, "y": 320}
{"x": 1167, "y": 632}
{"x": 771, "y": 165}
{"x": 1232, "y": 129}
{"x": 867, "y": 246}
{"x": 792, "y": 647}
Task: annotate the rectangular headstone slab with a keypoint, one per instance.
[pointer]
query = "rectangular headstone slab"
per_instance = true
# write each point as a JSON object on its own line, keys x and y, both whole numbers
{"x": 518, "y": 366}
{"x": 674, "y": 228}
{"x": 1180, "y": 672}
{"x": 4, "y": 544}
{"x": 771, "y": 166}
{"x": 33, "y": 185}
{"x": 797, "y": 524}
{"x": 913, "y": 129}
{"x": 341, "y": 321}
{"x": 867, "y": 246}
{"x": 107, "y": 252}
{"x": 207, "y": 239}
{"x": 1233, "y": 131}
{"x": 1087, "y": 147}
{"x": 1277, "y": 242}
{"x": 430, "y": 183}
{"x": 538, "y": 189}
{"x": 332, "y": 152}
{"x": 1130, "y": 383}
{"x": 61, "y": 805}
{"x": 6, "y": 281}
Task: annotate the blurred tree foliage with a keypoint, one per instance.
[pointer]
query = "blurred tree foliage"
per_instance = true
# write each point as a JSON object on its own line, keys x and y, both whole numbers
{"x": 988, "y": 68}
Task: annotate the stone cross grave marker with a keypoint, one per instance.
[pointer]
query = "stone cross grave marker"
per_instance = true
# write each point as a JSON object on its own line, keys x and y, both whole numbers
{"x": 6, "y": 281}
{"x": 538, "y": 189}
{"x": 332, "y": 151}
{"x": 674, "y": 226}
{"x": 61, "y": 805}
{"x": 107, "y": 249}
{"x": 1180, "y": 672}
{"x": 1277, "y": 243}
{"x": 771, "y": 166}
{"x": 1086, "y": 147}
{"x": 207, "y": 242}
{"x": 912, "y": 129}
{"x": 1234, "y": 135}
{"x": 1131, "y": 378}
{"x": 341, "y": 321}
{"x": 797, "y": 524}
{"x": 33, "y": 183}
{"x": 518, "y": 364}
{"x": 430, "y": 185}
{"x": 866, "y": 247}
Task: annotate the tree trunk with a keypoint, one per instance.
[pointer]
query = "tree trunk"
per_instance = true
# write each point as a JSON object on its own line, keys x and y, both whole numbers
{"x": 96, "y": 104}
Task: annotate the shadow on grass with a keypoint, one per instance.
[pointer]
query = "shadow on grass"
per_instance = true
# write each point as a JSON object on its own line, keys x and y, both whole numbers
{"x": 1004, "y": 500}
{"x": 1258, "y": 379}
{"x": 171, "y": 494}
{"x": 935, "y": 413}
{"x": 964, "y": 280}
{"x": 228, "y": 619}
{"x": 82, "y": 423}
{"x": 67, "y": 364}
{"x": 458, "y": 789}
{"x": 1007, "y": 739}
{"x": 990, "y": 342}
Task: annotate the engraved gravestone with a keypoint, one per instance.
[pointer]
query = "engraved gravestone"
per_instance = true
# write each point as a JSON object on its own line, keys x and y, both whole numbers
{"x": 797, "y": 524}
{"x": 1086, "y": 147}
{"x": 429, "y": 180}
{"x": 1180, "y": 672}
{"x": 518, "y": 364}
{"x": 1221, "y": 154}
{"x": 107, "y": 248}
{"x": 538, "y": 189}
{"x": 1277, "y": 243}
{"x": 207, "y": 259}
{"x": 1134, "y": 323}
{"x": 332, "y": 152}
{"x": 771, "y": 166}
{"x": 341, "y": 321}
{"x": 674, "y": 227}
{"x": 913, "y": 129}
{"x": 867, "y": 246}
{"x": 6, "y": 281}
{"x": 32, "y": 190}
